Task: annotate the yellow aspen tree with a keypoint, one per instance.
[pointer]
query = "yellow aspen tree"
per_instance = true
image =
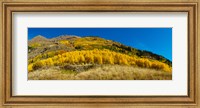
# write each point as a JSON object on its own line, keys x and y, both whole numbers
{"x": 87, "y": 58}
{"x": 94, "y": 56}
{"x": 147, "y": 63}
{"x": 30, "y": 67}
{"x": 59, "y": 56}
{"x": 50, "y": 62}
{"x": 111, "y": 60}
{"x": 82, "y": 59}
{"x": 99, "y": 59}
{"x": 124, "y": 61}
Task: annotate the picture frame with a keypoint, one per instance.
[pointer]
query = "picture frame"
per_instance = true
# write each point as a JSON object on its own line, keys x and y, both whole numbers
{"x": 10, "y": 7}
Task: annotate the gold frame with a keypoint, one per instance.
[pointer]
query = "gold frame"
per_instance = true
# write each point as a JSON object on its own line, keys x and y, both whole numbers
{"x": 8, "y": 7}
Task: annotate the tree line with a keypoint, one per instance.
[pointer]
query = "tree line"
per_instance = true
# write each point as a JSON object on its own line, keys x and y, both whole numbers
{"x": 96, "y": 56}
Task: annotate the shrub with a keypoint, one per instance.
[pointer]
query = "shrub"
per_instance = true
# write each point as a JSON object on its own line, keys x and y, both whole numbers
{"x": 38, "y": 65}
{"x": 64, "y": 42}
{"x": 35, "y": 45}
{"x": 30, "y": 67}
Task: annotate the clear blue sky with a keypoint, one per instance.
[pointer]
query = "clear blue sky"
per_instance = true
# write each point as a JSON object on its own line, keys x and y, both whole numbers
{"x": 156, "y": 40}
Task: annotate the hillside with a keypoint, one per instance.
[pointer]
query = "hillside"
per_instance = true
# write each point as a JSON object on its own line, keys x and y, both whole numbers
{"x": 76, "y": 55}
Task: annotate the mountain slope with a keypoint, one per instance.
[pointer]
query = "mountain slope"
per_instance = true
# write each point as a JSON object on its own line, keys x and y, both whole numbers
{"x": 40, "y": 45}
{"x": 70, "y": 57}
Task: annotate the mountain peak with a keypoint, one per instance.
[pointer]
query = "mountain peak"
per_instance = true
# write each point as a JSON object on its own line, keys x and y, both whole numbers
{"x": 39, "y": 38}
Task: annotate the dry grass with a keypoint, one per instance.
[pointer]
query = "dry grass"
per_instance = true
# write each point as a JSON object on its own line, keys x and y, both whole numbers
{"x": 104, "y": 72}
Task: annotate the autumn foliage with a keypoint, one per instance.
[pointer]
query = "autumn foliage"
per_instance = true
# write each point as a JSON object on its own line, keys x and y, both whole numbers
{"x": 65, "y": 42}
{"x": 95, "y": 56}
{"x": 34, "y": 45}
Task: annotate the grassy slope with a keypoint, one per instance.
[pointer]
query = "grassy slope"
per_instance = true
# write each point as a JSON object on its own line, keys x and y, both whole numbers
{"x": 104, "y": 72}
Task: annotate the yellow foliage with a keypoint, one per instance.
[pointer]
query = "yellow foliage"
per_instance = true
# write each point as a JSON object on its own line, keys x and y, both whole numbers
{"x": 82, "y": 58}
{"x": 49, "y": 62}
{"x": 34, "y": 45}
{"x": 98, "y": 59}
{"x": 88, "y": 42}
{"x": 124, "y": 61}
{"x": 97, "y": 56}
{"x": 65, "y": 42}
{"x": 38, "y": 65}
{"x": 45, "y": 56}
{"x": 30, "y": 67}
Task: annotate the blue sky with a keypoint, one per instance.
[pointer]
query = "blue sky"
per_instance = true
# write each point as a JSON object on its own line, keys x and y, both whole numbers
{"x": 156, "y": 40}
